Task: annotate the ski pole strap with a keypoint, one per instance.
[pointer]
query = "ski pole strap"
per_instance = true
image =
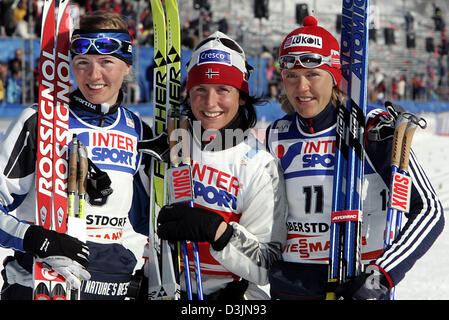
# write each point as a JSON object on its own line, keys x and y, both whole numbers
{"x": 98, "y": 184}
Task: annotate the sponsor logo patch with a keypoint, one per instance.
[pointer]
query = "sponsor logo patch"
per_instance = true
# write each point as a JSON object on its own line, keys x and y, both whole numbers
{"x": 215, "y": 56}
{"x": 306, "y": 40}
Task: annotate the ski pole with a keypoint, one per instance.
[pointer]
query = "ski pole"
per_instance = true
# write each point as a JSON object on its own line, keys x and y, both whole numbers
{"x": 71, "y": 195}
{"x": 406, "y": 126}
{"x": 405, "y": 155}
{"x": 401, "y": 184}
{"x": 73, "y": 172}
{"x": 174, "y": 162}
{"x": 82, "y": 180}
{"x": 83, "y": 167}
{"x": 398, "y": 137}
{"x": 401, "y": 125}
{"x": 78, "y": 167}
{"x": 186, "y": 162}
{"x": 181, "y": 165}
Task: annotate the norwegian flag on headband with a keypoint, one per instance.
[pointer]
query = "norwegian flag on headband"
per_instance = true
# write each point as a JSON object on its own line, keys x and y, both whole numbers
{"x": 215, "y": 73}
{"x": 210, "y": 73}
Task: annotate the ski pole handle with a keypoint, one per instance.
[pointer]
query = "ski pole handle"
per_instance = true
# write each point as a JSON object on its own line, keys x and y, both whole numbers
{"x": 412, "y": 125}
{"x": 401, "y": 125}
{"x": 82, "y": 179}
{"x": 73, "y": 168}
{"x": 396, "y": 151}
{"x": 185, "y": 139}
{"x": 77, "y": 224}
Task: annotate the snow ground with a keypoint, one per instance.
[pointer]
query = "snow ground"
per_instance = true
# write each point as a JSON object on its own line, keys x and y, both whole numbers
{"x": 429, "y": 278}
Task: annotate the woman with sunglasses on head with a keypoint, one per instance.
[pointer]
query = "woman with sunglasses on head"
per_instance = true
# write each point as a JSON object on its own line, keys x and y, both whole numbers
{"x": 238, "y": 218}
{"x": 102, "y": 56}
{"x": 304, "y": 141}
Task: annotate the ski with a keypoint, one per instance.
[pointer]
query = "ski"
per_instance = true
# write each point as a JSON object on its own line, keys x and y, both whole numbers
{"x": 44, "y": 169}
{"x": 346, "y": 219}
{"x": 163, "y": 280}
{"x": 52, "y": 140}
{"x": 61, "y": 117}
{"x": 175, "y": 120}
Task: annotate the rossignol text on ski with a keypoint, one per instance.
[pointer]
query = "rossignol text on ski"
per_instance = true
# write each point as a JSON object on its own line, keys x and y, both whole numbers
{"x": 52, "y": 158}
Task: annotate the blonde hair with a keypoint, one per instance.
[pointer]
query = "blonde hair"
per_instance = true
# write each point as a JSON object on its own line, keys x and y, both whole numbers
{"x": 102, "y": 20}
{"x": 337, "y": 96}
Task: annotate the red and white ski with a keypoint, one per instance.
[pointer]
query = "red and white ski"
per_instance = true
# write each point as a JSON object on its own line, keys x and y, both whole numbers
{"x": 61, "y": 117}
{"x": 52, "y": 140}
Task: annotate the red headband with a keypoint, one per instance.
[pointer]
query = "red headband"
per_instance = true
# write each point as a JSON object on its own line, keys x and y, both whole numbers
{"x": 215, "y": 62}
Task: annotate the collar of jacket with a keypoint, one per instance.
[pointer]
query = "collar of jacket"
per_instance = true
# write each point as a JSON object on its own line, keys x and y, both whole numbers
{"x": 323, "y": 120}
{"x": 77, "y": 99}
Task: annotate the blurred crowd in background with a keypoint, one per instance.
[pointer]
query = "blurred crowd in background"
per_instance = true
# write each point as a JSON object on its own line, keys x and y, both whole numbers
{"x": 22, "y": 19}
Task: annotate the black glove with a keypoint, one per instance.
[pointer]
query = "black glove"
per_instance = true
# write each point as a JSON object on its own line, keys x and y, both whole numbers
{"x": 373, "y": 284}
{"x": 138, "y": 286}
{"x": 179, "y": 223}
{"x": 45, "y": 243}
{"x": 156, "y": 147}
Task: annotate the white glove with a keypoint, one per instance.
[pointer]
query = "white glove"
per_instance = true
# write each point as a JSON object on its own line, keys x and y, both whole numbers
{"x": 72, "y": 271}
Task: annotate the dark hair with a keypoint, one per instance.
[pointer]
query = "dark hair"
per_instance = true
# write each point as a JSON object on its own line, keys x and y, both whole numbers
{"x": 249, "y": 108}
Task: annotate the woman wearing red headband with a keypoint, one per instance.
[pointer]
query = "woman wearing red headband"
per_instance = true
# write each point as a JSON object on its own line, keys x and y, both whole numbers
{"x": 239, "y": 197}
{"x": 304, "y": 141}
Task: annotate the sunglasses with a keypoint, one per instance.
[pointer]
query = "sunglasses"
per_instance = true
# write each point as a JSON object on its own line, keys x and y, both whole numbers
{"x": 101, "y": 45}
{"x": 229, "y": 43}
{"x": 307, "y": 60}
